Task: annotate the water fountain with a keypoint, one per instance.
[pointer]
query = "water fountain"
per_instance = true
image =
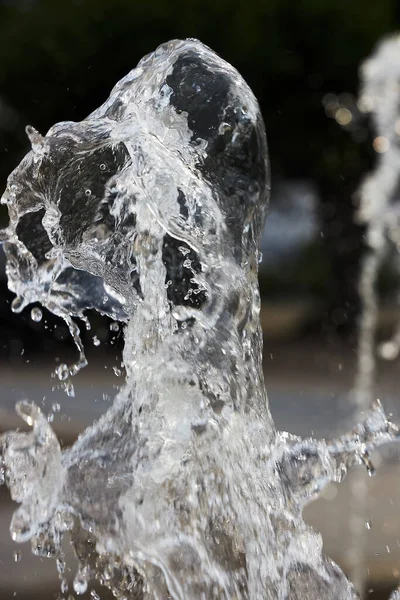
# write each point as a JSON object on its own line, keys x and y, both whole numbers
{"x": 151, "y": 211}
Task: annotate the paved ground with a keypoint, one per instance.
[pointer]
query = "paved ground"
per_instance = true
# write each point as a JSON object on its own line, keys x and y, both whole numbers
{"x": 308, "y": 395}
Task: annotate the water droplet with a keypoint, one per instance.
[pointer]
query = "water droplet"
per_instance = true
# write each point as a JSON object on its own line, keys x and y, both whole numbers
{"x": 80, "y": 583}
{"x": 368, "y": 464}
{"x": 88, "y": 192}
{"x": 96, "y": 341}
{"x": 368, "y": 524}
{"x": 60, "y": 564}
{"x": 69, "y": 389}
{"x": 114, "y": 326}
{"x": 117, "y": 371}
{"x": 36, "y": 314}
{"x": 17, "y": 304}
{"x": 94, "y": 595}
{"x": 62, "y": 371}
{"x": 87, "y": 323}
{"x": 56, "y": 407}
{"x": 17, "y": 555}
{"x": 28, "y": 411}
{"x": 102, "y": 167}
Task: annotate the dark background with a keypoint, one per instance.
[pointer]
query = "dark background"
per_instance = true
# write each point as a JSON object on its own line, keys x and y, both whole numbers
{"x": 59, "y": 60}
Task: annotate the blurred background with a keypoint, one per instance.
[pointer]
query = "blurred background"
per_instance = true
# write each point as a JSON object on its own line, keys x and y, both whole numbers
{"x": 59, "y": 61}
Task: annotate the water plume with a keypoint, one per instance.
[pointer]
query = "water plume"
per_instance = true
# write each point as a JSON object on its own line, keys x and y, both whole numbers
{"x": 151, "y": 211}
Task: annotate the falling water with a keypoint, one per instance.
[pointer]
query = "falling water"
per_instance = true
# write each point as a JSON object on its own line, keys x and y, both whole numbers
{"x": 378, "y": 210}
{"x": 151, "y": 211}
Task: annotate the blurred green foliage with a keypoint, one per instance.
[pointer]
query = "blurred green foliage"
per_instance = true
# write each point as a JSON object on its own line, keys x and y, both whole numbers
{"x": 307, "y": 275}
{"x": 59, "y": 60}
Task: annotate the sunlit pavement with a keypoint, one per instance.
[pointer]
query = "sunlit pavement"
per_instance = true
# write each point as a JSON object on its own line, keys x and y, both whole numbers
{"x": 308, "y": 393}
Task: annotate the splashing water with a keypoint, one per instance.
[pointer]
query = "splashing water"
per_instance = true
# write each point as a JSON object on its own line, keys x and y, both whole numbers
{"x": 151, "y": 211}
